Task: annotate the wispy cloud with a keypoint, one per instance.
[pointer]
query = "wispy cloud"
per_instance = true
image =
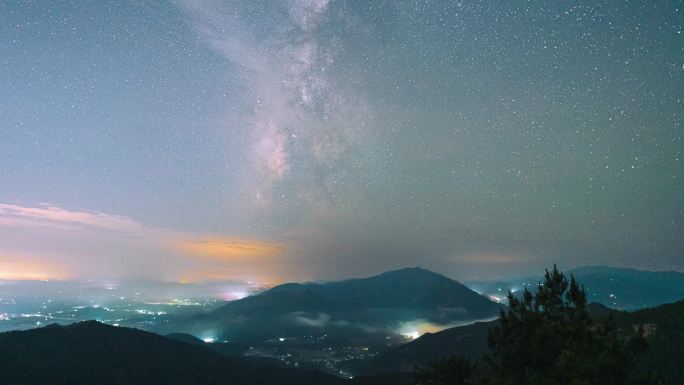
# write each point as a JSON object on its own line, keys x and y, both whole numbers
{"x": 301, "y": 318}
{"x": 46, "y": 214}
{"x": 49, "y": 241}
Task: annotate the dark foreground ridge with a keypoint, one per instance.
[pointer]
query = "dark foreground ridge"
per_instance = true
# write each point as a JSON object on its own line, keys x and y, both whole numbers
{"x": 94, "y": 353}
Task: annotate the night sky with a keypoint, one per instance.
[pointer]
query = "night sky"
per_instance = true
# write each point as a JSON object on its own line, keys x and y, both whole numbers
{"x": 313, "y": 139}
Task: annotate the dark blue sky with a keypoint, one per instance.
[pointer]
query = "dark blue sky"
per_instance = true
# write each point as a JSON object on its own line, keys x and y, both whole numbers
{"x": 321, "y": 139}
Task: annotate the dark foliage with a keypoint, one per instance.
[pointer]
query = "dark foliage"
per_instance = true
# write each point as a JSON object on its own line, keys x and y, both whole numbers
{"x": 662, "y": 361}
{"x": 455, "y": 370}
{"x": 549, "y": 338}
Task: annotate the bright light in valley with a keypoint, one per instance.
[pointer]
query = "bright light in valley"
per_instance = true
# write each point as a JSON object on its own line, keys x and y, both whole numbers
{"x": 234, "y": 295}
{"x": 412, "y": 335}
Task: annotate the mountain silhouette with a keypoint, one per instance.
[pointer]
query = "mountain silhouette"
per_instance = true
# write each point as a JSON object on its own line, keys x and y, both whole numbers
{"x": 352, "y": 309}
{"x": 469, "y": 341}
{"x": 94, "y": 353}
{"x": 630, "y": 289}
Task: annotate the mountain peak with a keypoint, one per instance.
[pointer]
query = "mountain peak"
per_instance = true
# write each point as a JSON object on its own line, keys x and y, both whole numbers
{"x": 411, "y": 272}
{"x": 414, "y": 269}
{"x": 349, "y": 308}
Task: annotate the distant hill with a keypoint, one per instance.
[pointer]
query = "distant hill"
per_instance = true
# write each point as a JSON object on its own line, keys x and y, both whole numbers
{"x": 629, "y": 289}
{"x": 358, "y": 308}
{"x": 617, "y": 288}
{"x": 94, "y": 353}
{"x": 469, "y": 341}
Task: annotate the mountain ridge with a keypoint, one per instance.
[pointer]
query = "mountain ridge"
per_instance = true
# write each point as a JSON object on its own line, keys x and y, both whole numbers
{"x": 91, "y": 352}
{"x": 616, "y": 287}
{"x": 353, "y": 308}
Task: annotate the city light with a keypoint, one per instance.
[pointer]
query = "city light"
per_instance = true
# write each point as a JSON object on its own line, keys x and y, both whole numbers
{"x": 411, "y": 335}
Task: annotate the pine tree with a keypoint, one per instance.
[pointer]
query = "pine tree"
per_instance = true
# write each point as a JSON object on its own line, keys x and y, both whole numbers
{"x": 549, "y": 338}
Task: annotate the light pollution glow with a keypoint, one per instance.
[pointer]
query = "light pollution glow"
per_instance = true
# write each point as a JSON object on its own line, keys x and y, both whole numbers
{"x": 230, "y": 248}
{"x": 417, "y": 328}
{"x": 85, "y": 245}
{"x": 29, "y": 268}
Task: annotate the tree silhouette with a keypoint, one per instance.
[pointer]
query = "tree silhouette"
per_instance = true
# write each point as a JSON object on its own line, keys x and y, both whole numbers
{"x": 550, "y": 338}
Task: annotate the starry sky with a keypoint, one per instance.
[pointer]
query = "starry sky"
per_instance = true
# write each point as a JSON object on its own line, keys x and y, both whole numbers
{"x": 278, "y": 140}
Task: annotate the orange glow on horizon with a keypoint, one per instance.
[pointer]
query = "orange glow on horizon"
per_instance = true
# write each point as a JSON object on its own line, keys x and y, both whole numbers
{"x": 223, "y": 259}
{"x": 23, "y": 268}
{"x": 214, "y": 275}
{"x": 229, "y": 248}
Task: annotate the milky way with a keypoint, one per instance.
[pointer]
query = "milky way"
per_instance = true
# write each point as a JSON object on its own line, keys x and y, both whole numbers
{"x": 304, "y": 139}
